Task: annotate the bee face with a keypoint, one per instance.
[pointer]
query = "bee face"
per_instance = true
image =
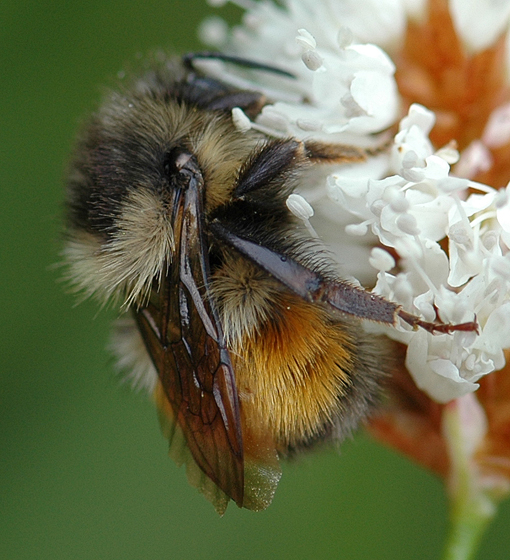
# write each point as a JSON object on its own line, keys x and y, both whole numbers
{"x": 249, "y": 341}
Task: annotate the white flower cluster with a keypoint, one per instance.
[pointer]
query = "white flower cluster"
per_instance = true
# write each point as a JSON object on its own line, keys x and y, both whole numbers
{"x": 411, "y": 211}
{"x": 337, "y": 78}
{"x": 451, "y": 235}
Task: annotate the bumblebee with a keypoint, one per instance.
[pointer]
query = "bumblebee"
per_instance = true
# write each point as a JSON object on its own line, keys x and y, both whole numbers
{"x": 237, "y": 321}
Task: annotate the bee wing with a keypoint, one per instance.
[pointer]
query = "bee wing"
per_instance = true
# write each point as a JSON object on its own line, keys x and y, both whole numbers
{"x": 184, "y": 338}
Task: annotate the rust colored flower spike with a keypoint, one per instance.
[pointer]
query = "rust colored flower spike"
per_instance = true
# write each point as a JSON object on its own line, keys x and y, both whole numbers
{"x": 463, "y": 89}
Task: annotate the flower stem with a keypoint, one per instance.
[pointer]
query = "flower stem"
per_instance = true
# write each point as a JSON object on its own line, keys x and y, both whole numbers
{"x": 469, "y": 517}
{"x": 472, "y": 506}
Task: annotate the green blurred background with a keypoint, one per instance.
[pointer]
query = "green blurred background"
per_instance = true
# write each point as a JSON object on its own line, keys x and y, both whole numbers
{"x": 84, "y": 472}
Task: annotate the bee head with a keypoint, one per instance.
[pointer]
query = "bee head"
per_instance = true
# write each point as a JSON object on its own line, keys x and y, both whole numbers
{"x": 121, "y": 191}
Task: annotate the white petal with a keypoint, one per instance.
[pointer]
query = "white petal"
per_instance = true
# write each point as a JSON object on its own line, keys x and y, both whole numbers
{"x": 376, "y": 94}
{"x": 503, "y": 209}
{"x": 378, "y": 21}
{"x": 438, "y": 378}
{"x": 415, "y": 8}
{"x": 299, "y": 206}
{"x": 213, "y": 31}
{"x": 436, "y": 168}
{"x": 241, "y": 120}
{"x": 381, "y": 259}
{"x": 476, "y": 158}
{"x": 497, "y": 130}
{"x": 480, "y": 22}
{"x": 431, "y": 215}
{"x": 497, "y": 329}
{"x": 306, "y": 40}
{"x": 420, "y": 116}
{"x": 312, "y": 60}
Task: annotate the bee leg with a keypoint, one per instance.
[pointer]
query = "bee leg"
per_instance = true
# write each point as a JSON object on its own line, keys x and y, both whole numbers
{"x": 322, "y": 152}
{"x": 334, "y": 294}
{"x": 223, "y": 98}
{"x": 211, "y": 95}
{"x": 251, "y": 102}
{"x": 271, "y": 162}
{"x": 275, "y": 160}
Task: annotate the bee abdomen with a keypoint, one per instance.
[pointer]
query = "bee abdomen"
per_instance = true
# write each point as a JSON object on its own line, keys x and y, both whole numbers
{"x": 311, "y": 376}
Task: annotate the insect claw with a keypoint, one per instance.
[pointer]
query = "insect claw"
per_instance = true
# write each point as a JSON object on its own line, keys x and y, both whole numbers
{"x": 438, "y": 327}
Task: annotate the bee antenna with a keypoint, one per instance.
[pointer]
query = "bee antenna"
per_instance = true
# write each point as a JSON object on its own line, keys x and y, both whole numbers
{"x": 188, "y": 60}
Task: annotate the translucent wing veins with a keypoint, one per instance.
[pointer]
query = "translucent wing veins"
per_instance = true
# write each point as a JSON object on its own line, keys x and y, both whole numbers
{"x": 184, "y": 338}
